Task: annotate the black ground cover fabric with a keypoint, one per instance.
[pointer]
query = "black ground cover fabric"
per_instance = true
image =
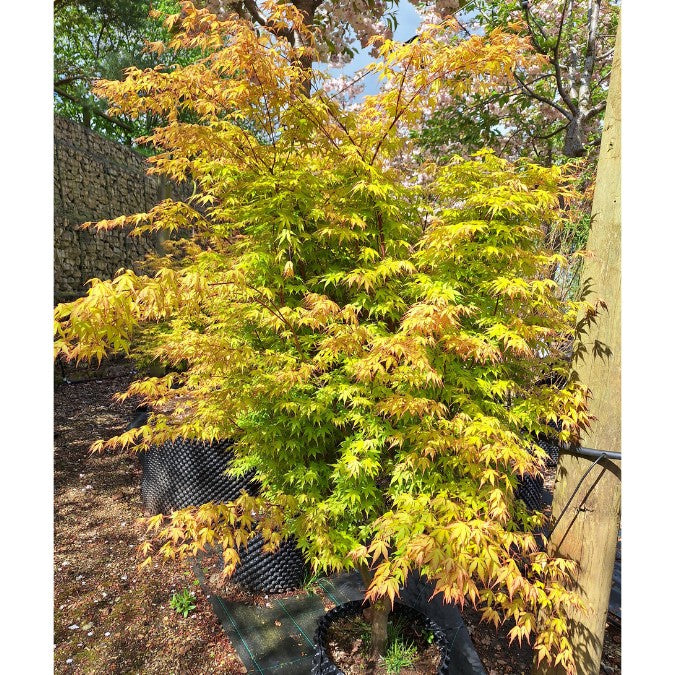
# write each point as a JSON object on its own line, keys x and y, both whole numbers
{"x": 279, "y": 636}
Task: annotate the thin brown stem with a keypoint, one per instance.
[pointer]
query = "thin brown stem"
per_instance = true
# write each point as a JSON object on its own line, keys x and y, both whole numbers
{"x": 380, "y": 235}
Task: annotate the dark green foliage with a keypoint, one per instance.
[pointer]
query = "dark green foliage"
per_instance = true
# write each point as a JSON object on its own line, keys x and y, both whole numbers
{"x": 99, "y": 39}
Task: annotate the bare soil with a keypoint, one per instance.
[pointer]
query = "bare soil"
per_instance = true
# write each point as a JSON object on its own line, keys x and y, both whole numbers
{"x": 347, "y": 646}
{"x": 500, "y": 657}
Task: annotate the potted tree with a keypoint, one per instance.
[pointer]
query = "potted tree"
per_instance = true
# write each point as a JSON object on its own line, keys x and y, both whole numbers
{"x": 372, "y": 333}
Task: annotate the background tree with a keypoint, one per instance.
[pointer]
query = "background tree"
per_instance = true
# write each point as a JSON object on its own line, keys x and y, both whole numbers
{"x": 376, "y": 346}
{"x": 554, "y": 109}
{"x": 99, "y": 39}
{"x": 96, "y": 39}
{"x": 340, "y": 26}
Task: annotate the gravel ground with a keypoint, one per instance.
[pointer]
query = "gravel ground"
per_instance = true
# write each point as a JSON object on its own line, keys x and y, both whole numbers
{"x": 108, "y": 617}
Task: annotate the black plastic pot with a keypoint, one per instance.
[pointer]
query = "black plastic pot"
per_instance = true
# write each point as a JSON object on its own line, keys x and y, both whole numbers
{"x": 279, "y": 572}
{"x": 322, "y": 664}
{"x": 552, "y": 449}
{"x": 531, "y": 488}
{"x": 188, "y": 472}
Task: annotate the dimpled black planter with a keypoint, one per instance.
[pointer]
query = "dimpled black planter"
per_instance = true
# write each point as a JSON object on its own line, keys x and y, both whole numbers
{"x": 531, "y": 488}
{"x": 188, "y": 472}
{"x": 279, "y": 572}
{"x": 322, "y": 664}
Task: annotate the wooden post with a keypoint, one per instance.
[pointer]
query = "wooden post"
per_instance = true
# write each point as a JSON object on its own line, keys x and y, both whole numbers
{"x": 588, "y": 530}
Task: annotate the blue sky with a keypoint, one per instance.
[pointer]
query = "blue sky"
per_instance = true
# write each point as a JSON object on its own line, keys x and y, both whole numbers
{"x": 408, "y": 21}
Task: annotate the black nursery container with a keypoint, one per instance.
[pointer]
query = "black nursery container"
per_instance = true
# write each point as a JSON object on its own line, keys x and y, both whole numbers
{"x": 279, "y": 572}
{"x": 188, "y": 472}
{"x": 531, "y": 488}
{"x": 323, "y": 665}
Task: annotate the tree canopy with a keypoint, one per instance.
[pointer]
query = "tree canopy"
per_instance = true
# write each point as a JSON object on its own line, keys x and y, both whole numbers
{"x": 96, "y": 39}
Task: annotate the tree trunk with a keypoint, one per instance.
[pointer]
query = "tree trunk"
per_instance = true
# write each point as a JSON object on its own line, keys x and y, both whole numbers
{"x": 587, "y": 532}
{"x": 86, "y": 116}
{"x": 378, "y": 617}
{"x": 305, "y": 62}
{"x": 575, "y": 139}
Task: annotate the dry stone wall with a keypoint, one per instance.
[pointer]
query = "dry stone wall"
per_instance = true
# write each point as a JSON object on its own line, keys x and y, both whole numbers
{"x": 95, "y": 178}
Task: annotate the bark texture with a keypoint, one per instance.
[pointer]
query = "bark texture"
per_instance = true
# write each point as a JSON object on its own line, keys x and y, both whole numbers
{"x": 378, "y": 616}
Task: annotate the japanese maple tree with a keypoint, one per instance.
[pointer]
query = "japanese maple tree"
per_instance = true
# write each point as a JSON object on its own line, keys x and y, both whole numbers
{"x": 378, "y": 344}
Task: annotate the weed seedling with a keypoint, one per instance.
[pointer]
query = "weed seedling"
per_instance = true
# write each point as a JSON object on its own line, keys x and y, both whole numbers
{"x": 183, "y": 602}
{"x": 399, "y": 655}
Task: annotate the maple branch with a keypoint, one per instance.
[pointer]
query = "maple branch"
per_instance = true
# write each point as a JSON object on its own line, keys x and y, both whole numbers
{"x": 277, "y": 312}
{"x": 344, "y": 128}
{"x": 258, "y": 159}
{"x": 273, "y": 309}
{"x": 400, "y": 89}
{"x": 380, "y": 235}
{"x": 267, "y": 109}
{"x": 397, "y": 113}
{"x": 309, "y": 113}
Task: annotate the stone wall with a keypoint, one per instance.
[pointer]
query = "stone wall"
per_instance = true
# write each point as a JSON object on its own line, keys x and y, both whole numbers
{"x": 95, "y": 178}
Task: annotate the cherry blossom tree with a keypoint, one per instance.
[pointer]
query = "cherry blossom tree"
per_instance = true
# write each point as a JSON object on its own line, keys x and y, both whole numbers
{"x": 554, "y": 109}
{"x": 340, "y": 24}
